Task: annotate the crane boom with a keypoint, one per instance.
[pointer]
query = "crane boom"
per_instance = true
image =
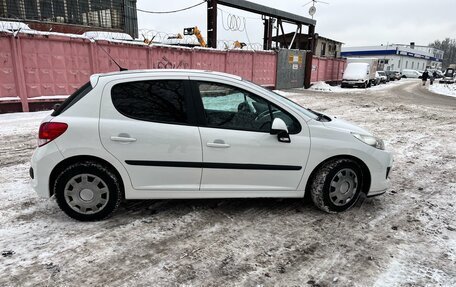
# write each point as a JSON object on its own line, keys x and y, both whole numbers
{"x": 195, "y": 31}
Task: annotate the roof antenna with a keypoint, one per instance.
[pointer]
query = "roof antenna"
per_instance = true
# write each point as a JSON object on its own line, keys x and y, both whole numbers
{"x": 120, "y": 68}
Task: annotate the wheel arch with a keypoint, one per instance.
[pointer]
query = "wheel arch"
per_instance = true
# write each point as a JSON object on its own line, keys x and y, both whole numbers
{"x": 366, "y": 175}
{"x": 80, "y": 158}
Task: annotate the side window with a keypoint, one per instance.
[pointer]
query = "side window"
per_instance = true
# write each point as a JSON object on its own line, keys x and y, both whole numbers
{"x": 155, "y": 100}
{"x": 73, "y": 99}
{"x": 232, "y": 108}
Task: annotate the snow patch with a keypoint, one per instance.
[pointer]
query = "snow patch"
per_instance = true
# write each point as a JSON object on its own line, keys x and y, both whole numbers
{"x": 50, "y": 97}
{"x": 324, "y": 87}
{"x": 5, "y": 99}
{"x": 101, "y": 35}
{"x": 444, "y": 89}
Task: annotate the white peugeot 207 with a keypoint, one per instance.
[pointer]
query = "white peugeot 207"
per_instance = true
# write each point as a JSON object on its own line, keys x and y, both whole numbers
{"x": 151, "y": 134}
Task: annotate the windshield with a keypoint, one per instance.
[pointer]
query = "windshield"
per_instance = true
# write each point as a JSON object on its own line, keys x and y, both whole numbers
{"x": 356, "y": 70}
{"x": 287, "y": 101}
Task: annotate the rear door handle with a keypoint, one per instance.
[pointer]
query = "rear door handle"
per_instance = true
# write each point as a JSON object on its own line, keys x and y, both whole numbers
{"x": 218, "y": 144}
{"x": 123, "y": 138}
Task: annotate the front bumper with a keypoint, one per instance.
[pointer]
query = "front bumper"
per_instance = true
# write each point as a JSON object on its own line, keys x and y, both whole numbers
{"x": 381, "y": 192}
{"x": 380, "y": 173}
{"x": 359, "y": 83}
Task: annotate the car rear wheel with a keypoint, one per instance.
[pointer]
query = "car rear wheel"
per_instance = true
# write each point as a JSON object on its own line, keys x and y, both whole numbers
{"x": 337, "y": 185}
{"x": 87, "y": 191}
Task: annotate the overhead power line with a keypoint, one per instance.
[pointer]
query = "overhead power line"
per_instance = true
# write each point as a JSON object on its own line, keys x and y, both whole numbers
{"x": 169, "y": 12}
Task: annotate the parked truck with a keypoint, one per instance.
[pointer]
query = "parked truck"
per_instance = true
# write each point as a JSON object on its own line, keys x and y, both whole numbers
{"x": 360, "y": 72}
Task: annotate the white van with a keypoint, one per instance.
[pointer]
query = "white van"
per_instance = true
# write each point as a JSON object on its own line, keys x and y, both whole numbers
{"x": 414, "y": 74}
{"x": 357, "y": 75}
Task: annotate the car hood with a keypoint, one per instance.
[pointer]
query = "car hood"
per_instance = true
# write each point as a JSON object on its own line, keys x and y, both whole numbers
{"x": 339, "y": 124}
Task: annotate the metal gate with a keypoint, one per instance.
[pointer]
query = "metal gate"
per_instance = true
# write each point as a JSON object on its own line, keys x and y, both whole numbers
{"x": 290, "y": 69}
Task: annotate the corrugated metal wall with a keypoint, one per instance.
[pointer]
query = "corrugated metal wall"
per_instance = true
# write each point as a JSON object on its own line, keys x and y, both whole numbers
{"x": 38, "y": 65}
{"x": 327, "y": 69}
{"x": 33, "y": 66}
{"x": 290, "y": 69}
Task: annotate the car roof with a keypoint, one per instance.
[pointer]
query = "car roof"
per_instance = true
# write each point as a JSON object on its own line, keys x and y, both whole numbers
{"x": 161, "y": 72}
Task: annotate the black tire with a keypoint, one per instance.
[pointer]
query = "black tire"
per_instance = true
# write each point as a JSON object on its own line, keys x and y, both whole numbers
{"x": 109, "y": 186}
{"x": 321, "y": 189}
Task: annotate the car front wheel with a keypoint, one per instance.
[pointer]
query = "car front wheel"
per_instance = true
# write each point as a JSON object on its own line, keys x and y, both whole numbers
{"x": 337, "y": 185}
{"x": 87, "y": 191}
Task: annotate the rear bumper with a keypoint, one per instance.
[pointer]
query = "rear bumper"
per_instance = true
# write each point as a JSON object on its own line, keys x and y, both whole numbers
{"x": 44, "y": 160}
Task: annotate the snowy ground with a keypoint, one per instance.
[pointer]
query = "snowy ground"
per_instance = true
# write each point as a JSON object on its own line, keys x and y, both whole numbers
{"x": 324, "y": 87}
{"x": 405, "y": 238}
{"x": 443, "y": 89}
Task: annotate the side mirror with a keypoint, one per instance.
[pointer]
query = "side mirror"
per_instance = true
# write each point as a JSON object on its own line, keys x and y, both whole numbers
{"x": 280, "y": 129}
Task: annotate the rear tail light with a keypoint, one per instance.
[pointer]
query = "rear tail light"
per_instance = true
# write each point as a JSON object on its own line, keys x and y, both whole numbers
{"x": 50, "y": 131}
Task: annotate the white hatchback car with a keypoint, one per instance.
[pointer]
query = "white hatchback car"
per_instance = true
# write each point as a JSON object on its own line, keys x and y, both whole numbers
{"x": 195, "y": 134}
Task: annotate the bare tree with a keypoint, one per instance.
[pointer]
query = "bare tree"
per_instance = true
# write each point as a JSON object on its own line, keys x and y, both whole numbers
{"x": 448, "y": 46}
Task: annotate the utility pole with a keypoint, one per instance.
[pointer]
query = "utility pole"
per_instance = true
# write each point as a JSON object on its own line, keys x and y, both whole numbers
{"x": 267, "y": 36}
{"x": 309, "y": 56}
{"x": 212, "y": 23}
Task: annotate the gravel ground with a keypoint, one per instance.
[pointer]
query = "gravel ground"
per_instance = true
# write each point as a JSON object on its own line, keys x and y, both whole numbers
{"x": 405, "y": 238}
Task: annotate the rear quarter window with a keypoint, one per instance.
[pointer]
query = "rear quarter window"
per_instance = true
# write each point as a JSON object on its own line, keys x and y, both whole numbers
{"x": 73, "y": 99}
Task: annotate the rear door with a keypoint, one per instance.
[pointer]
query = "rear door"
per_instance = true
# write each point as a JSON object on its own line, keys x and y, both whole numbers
{"x": 148, "y": 125}
{"x": 240, "y": 156}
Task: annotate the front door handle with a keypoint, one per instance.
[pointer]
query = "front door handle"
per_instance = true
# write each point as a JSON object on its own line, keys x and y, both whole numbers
{"x": 125, "y": 138}
{"x": 218, "y": 144}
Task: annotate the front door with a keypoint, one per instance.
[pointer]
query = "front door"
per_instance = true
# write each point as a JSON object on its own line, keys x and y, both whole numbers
{"x": 239, "y": 153}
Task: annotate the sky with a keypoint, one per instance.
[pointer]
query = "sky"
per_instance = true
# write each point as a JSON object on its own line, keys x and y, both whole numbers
{"x": 353, "y": 22}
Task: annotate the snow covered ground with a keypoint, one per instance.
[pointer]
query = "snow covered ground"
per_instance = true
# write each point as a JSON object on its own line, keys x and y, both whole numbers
{"x": 443, "y": 89}
{"x": 324, "y": 87}
{"x": 406, "y": 237}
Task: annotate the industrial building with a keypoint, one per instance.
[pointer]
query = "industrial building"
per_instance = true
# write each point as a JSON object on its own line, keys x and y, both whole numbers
{"x": 399, "y": 56}
{"x": 323, "y": 47}
{"x": 73, "y": 16}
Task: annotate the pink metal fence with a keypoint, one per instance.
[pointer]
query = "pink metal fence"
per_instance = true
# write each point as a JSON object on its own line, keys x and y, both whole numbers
{"x": 329, "y": 70}
{"x": 33, "y": 66}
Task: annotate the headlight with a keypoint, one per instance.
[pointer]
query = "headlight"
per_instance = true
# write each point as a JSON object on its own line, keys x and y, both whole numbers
{"x": 370, "y": 140}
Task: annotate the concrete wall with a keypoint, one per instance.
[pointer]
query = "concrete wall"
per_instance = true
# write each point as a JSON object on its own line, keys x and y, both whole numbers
{"x": 336, "y": 50}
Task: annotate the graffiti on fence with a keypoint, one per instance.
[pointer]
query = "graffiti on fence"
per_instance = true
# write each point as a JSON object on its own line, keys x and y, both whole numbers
{"x": 165, "y": 63}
